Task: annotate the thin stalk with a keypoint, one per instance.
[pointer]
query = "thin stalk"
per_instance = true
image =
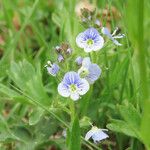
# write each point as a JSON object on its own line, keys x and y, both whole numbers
{"x": 72, "y": 109}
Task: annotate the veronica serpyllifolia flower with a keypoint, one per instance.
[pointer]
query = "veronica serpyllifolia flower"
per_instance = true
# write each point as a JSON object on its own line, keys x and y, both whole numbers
{"x": 89, "y": 71}
{"x": 79, "y": 60}
{"x": 112, "y": 36}
{"x": 73, "y": 86}
{"x": 90, "y": 40}
{"x": 96, "y": 134}
{"x": 52, "y": 69}
{"x": 60, "y": 58}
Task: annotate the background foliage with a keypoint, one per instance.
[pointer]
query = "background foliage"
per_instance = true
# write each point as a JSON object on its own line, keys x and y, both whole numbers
{"x": 33, "y": 115}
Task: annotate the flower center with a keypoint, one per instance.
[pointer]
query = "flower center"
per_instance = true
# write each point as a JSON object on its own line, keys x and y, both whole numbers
{"x": 90, "y": 42}
{"x": 73, "y": 87}
{"x": 84, "y": 72}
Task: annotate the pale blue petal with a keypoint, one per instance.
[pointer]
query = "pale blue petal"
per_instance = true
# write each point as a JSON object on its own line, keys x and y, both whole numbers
{"x": 71, "y": 78}
{"x": 89, "y": 134}
{"x": 53, "y": 69}
{"x": 94, "y": 73}
{"x": 98, "y": 43}
{"x": 99, "y": 135}
{"x": 81, "y": 40}
{"x": 86, "y": 62}
{"x": 60, "y": 58}
{"x": 74, "y": 96}
{"x": 83, "y": 87}
{"x": 105, "y": 31}
{"x": 63, "y": 90}
{"x": 79, "y": 60}
{"x": 88, "y": 48}
{"x": 90, "y": 34}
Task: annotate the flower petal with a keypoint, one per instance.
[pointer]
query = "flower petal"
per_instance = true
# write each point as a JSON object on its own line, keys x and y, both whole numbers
{"x": 99, "y": 135}
{"x": 83, "y": 87}
{"x": 98, "y": 43}
{"x": 71, "y": 78}
{"x": 81, "y": 40}
{"x": 89, "y": 134}
{"x": 63, "y": 90}
{"x": 88, "y": 48}
{"x": 86, "y": 62}
{"x": 94, "y": 73}
{"x": 53, "y": 69}
{"x": 74, "y": 96}
{"x": 79, "y": 60}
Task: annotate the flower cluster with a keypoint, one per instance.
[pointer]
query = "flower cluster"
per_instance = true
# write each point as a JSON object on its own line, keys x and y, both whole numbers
{"x": 75, "y": 84}
{"x": 63, "y": 51}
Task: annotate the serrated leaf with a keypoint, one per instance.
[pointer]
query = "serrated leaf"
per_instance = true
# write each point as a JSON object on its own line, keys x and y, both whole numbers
{"x": 131, "y": 116}
{"x": 122, "y": 127}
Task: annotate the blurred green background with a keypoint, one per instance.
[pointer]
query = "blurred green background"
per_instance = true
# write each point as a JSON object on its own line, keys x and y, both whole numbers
{"x": 33, "y": 115}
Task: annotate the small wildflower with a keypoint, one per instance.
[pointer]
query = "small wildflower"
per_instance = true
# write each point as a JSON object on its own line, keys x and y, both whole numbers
{"x": 113, "y": 36}
{"x": 96, "y": 134}
{"x": 73, "y": 86}
{"x": 60, "y": 58}
{"x": 52, "y": 69}
{"x": 89, "y": 71}
{"x": 79, "y": 60}
{"x": 90, "y": 40}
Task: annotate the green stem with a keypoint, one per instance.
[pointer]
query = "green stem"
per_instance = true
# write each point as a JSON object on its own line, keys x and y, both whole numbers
{"x": 72, "y": 109}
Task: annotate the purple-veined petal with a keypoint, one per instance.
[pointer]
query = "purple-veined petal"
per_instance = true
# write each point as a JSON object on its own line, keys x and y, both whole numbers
{"x": 90, "y": 40}
{"x": 88, "y": 48}
{"x": 74, "y": 96}
{"x": 80, "y": 40}
{"x": 63, "y": 90}
{"x": 86, "y": 62}
{"x": 53, "y": 69}
{"x": 83, "y": 87}
{"x": 71, "y": 78}
{"x": 98, "y": 44}
{"x": 94, "y": 73}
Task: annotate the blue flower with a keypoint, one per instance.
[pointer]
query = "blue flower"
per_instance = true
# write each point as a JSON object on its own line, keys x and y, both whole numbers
{"x": 96, "y": 134}
{"x": 90, "y": 40}
{"x": 79, "y": 60}
{"x": 60, "y": 58}
{"x": 113, "y": 36}
{"x": 73, "y": 86}
{"x": 52, "y": 69}
{"x": 89, "y": 71}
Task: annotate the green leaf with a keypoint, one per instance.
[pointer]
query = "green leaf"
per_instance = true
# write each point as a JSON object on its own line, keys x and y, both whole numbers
{"x": 131, "y": 116}
{"x": 75, "y": 143}
{"x": 29, "y": 80}
{"x": 35, "y": 116}
{"x": 122, "y": 127}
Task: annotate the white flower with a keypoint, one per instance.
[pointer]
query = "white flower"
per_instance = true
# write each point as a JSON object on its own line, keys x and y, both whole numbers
{"x": 73, "y": 86}
{"x": 90, "y": 40}
{"x": 96, "y": 134}
{"x": 113, "y": 36}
